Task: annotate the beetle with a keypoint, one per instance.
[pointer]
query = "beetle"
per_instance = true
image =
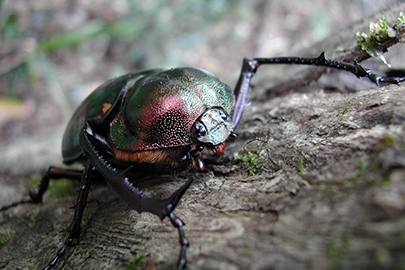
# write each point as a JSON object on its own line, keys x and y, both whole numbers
{"x": 158, "y": 120}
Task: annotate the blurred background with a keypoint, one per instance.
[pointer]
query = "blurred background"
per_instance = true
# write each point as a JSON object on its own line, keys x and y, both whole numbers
{"x": 53, "y": 53}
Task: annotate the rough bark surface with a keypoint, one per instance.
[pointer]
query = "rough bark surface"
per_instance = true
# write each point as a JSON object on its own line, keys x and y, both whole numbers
{"x": 331, "y": 195}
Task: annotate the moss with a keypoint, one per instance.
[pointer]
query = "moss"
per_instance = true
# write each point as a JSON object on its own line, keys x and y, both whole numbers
{"x": 385, "y": 179}
{"x": 385, "y": 142}
{"x": 343, "y": 112}
{"x": 379, "y": 33}
{"x": 34, "y": 180}
{"x": 60, "y": 188}
{"x": 381, "y": 256}
{"x": 134, "y": 264}
{"x": 251, "y": 157}
{"x": 300, "y": 164}
{"x": 3, "y": 240}
{"x": 337, "y": 249}
{"x": 400, "y": 21}
{"x": 57, "y": 188}
{"x": 30, "y": 221}
{"x": 362, "y": 168}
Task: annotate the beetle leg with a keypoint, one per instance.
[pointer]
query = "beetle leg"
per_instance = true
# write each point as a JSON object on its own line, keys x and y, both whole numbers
{"x": 52, "y": 173}
{"x": 74, "y": 227}
{"x": 250, "y": 66}
{"x": 178, "y": 223}
{"x": 195, "y": 153}
{"x": 242, "y": 90}
{"x": 120, "y": 183}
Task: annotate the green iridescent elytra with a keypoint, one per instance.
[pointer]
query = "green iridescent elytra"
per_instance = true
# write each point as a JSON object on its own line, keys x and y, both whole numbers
{"x": 159, "y": 111}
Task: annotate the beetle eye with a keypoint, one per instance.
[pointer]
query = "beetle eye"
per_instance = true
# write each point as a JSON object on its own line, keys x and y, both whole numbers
{"x": 200, "y": 130}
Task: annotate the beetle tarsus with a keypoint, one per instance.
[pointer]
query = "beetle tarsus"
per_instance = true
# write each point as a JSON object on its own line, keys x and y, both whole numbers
{"x": 377, "y": 79}
{"x": 60, "y": 253}
{"x": 178, "y": 223}
{"x": 11, "y": 205}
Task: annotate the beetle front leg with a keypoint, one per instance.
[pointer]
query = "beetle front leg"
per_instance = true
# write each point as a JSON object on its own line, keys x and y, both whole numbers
{"x": 121, "y": 184}
{"x": 74, "y": 227}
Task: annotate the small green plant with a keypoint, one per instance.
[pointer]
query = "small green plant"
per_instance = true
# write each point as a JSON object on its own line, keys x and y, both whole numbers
{"x": 34, "y": 180}
{"x": 379, "y": 33}
{"x": 343, "y": 112}
{"x": 3, "y": 240}
{"x": 251, "y": 157}
{"x": 400, "y": 21}
{"x": 57, "y": 188}
{"x": 337, "y": 249}
{"x": 61, "y": 188}
{"x": 134, "y": 264}
{"x": 300, "y": 164}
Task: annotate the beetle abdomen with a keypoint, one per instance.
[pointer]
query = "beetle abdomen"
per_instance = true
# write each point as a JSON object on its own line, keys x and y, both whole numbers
{"x": 168, "y": 158}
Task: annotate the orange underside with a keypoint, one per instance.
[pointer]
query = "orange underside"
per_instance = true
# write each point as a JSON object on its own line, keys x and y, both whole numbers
{"x": 166, "y": 156}
{"x": 152, "y": 156}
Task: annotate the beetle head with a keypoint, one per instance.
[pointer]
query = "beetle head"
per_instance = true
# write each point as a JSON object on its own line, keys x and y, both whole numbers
{"x": 213, "y": 127}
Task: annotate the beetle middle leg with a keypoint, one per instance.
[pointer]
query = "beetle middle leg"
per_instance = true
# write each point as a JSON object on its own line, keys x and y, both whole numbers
{"x": 52, "y": 173}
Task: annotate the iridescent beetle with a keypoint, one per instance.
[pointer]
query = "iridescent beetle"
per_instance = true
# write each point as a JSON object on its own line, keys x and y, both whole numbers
{"x": 158, "y": 120}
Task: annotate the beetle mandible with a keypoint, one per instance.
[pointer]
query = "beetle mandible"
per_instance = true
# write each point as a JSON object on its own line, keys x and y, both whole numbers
{"x": 158, "y": 120}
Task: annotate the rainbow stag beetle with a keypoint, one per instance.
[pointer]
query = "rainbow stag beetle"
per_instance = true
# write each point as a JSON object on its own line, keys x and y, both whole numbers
{"x": 158, "y": 120}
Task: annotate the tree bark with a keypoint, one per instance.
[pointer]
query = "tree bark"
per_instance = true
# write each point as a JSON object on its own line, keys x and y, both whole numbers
{"x": 331, "y": 194}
